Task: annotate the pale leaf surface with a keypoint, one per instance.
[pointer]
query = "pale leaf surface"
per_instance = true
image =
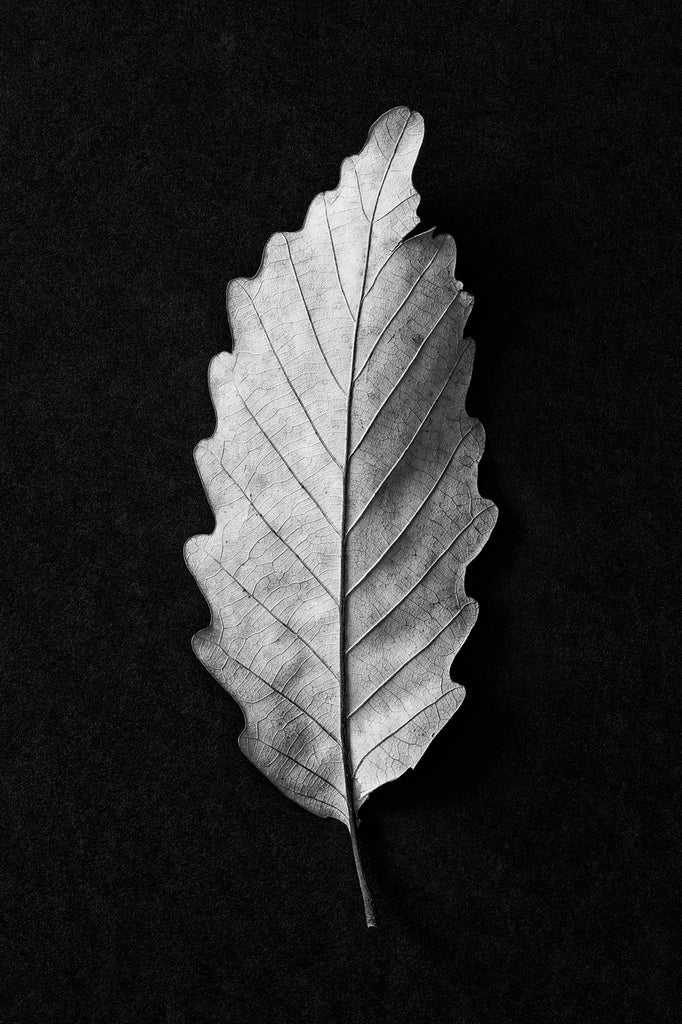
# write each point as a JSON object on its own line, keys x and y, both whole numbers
{"x": 342, "y": 474}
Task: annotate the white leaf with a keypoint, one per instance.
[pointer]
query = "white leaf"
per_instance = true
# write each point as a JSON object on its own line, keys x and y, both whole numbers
{"x": 342, "y": 474}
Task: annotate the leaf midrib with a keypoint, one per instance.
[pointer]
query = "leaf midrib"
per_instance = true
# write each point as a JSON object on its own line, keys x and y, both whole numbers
{"x": 345, "y": 745}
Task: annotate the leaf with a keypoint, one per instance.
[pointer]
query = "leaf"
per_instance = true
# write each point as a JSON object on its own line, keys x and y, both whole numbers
{"x": 342, "y": 474}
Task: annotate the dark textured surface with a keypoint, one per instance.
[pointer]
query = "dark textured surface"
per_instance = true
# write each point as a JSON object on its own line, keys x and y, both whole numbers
{"x": 523, "y": 872}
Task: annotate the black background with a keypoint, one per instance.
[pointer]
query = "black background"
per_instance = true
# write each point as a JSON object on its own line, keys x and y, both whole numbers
{"x": 523, "y": 871}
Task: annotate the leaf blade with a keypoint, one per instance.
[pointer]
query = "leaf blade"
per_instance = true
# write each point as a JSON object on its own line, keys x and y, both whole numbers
{"x": 342, "y": 474}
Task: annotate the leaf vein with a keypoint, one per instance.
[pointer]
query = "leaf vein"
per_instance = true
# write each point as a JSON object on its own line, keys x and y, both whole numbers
{"x": 404, "y": 725}
{"x": 421, "y": 579}
{"x": 426, "y": 646}
{"x": 274, "y": 532}
{"x": 396, "y": 311}
{"x": 288, "y": 379}
{"x": 336, "y": 262}
{"x": 412, "y": 439}
{"x": 305, "y": 767}
{"x": 414, "y": 514}
{"x": 403, "y": 375}
{"x": 310, "y": 316}
{"x": 279, "y": 453}
{"x": 253, "y": 597}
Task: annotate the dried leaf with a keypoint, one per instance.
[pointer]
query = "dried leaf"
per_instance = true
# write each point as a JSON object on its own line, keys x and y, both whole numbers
{"x": 342, "y": 474}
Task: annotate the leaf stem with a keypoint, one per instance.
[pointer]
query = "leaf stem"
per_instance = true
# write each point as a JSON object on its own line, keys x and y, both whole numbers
{"x": 370, "y": 915}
